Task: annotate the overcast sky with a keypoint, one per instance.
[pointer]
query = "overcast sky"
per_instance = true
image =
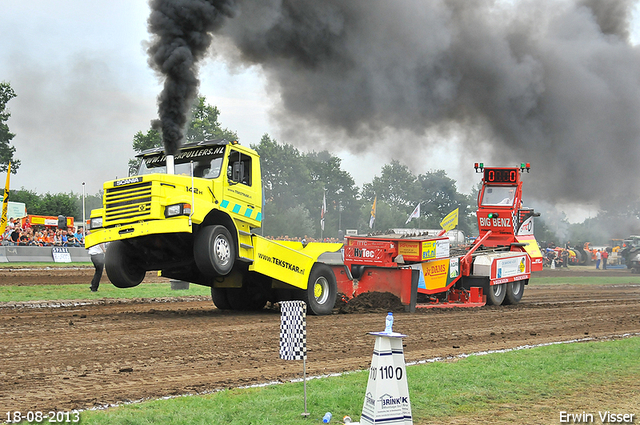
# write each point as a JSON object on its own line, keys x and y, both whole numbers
{"x": 84, "y": 88}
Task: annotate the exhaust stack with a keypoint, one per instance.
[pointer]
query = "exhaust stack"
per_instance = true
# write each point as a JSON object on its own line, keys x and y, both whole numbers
{"x": 171, "y": 169}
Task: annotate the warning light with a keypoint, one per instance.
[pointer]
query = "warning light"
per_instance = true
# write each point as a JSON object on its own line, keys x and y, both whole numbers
{"x": 478, "y": 165}
{"x": 524, "y": 166}
{"x": 493, "y": 215}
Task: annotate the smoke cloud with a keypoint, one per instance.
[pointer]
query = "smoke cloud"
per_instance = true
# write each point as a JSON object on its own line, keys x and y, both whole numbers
{"x": 554, "y": 83}
{"x": 181, "y": 34}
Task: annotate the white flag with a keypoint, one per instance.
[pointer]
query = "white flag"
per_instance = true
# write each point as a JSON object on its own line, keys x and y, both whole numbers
{"x": 373, "y": 213}
{"x": 414, "y": 214}
{"x": 323, "y": 210}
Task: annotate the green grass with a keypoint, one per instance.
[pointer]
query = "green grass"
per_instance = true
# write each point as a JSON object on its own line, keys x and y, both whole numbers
{"x": 154, "y": 290}
{"x": 106, "y": 290}
{"x": 26, "y": 264}
{"x": 633, "y": 279}
{"x": 474, "y": 385}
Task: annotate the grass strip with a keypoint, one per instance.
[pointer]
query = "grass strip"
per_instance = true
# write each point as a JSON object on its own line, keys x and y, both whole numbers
{"x": 106, "y": 290}
{"x": 154, "y": 290}
{"x": 464, "y": 388}
{"x": 38, "y": 264}
{"x": 587, "y": 280}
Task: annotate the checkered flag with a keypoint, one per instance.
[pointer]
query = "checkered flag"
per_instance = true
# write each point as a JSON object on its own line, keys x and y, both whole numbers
{"x": 293, "y": 330}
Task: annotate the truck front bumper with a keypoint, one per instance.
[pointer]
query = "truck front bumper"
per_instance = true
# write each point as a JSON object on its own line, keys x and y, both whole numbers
{"x": 134, "y": 230}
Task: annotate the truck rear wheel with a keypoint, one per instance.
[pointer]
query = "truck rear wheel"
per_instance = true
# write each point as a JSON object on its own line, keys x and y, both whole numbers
{"x": 322, "y": 290}
{"x": 214, "y": 251}
{"x": 496, "y": 294}
{"x": 121, "y": 266}
{"x": 514, "y": 292}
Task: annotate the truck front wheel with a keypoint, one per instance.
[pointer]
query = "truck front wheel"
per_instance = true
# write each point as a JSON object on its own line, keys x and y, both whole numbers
{"x": 322, "y": 290}
{"x": 214, "y": 251}
{"x": 496, "y": 294}
{"x": 121, "y": 266}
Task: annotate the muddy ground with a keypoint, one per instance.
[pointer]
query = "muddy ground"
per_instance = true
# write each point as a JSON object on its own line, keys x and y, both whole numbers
{"x": 92, "y": 355}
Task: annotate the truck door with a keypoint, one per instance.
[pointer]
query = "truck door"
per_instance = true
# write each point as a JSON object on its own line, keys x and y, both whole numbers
{"x": 243, "y": 194}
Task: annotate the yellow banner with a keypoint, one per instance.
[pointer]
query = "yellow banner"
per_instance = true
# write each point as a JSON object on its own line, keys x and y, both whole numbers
{"x": 5, "y": 203}
{"x": 450, "y": 221}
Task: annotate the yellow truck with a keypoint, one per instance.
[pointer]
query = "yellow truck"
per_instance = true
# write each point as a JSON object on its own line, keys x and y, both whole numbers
{"x": 191, "y": 216}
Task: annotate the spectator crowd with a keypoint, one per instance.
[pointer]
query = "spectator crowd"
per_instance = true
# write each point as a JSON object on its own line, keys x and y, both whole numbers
{"x": 25, "y": 234}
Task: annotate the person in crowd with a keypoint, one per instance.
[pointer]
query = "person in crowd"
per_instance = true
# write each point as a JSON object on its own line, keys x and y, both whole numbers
{"x": 605, "y": 256}
{"x": 80, "y": 235}
{"x": 57, "y": 238}
{"x": 23, "y": 239}
{"x": 49, "y": 237}
{"x": 71, "y": 238}
{"x": 598, "y": 259}
{"x": 565, "y": 258}
{"x": 96, "y": 253}
{"x": 38, "y": 238}
{"x": 15, "y": 236}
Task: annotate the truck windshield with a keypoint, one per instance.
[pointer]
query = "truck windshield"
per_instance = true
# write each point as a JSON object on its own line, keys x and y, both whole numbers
{"x": 208, "y": 168}
{"x": 498, "y": 195}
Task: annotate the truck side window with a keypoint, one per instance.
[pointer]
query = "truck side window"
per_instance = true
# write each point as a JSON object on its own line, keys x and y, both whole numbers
{"x": 239, "y": 169}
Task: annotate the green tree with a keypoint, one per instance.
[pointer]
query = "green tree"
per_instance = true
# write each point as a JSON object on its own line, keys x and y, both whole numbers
{"x": 439, "y": 196}
{"x": 397, "y": 185}
{"x": 204, "y": 125}
{"x": 285, "y": 179}
{"x": 142, "y": 142}
{"x": 67, "y": 204}
{"x": 28, "y": 197}
{"x": 330, "y": 180}
{"x": 6, "y": 150}
{"x": 293, "y": 222}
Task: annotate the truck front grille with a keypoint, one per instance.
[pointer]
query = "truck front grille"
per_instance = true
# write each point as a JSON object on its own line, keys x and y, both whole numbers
{"x": 127, "y": 203}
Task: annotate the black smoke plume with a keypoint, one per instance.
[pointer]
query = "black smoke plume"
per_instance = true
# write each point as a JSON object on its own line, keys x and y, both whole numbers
{"x": 555, "y": 83}
{"x": 181, "y": 34}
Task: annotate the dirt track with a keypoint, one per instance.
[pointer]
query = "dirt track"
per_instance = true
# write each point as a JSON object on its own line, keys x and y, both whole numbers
{"x": 79, "y": 357}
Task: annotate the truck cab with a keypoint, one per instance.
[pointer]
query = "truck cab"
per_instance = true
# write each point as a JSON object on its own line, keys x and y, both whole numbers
{"x": 191, "y": 216}
{"x": 200, "y": 212}
{"x": 501, "y": 216}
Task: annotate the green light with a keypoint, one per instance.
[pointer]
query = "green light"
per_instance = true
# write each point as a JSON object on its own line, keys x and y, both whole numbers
{"x": 482, "y": 165}
{"x": 492, "y": 215}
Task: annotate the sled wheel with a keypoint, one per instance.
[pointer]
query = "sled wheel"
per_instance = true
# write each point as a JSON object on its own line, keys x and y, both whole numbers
{"x": 214, "y": 251}
{"x": 514, "y": 292}
{"x": 322, "y": 290}
{"x": 122, "y": 268}
{"x": 496, "y": 294}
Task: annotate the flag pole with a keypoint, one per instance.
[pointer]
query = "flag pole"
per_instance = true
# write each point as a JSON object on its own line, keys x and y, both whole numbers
{"x": 5, "y": 203}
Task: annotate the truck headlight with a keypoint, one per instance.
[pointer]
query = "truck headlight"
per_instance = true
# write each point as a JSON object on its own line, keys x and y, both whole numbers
{"x": 177, "y": 209}
{"x": 96, "y": 222}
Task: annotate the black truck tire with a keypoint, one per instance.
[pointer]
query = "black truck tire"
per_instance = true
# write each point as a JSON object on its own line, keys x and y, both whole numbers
{"x": 219, "y": 298}
{"x": 243, "y": 299}
{"x": 496, "y": 294}
{"x": 214, "y": 251}
{"x": 322, "y": 290}
{"x": 121, "y": 266}
{"x": 514, "y": 292}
